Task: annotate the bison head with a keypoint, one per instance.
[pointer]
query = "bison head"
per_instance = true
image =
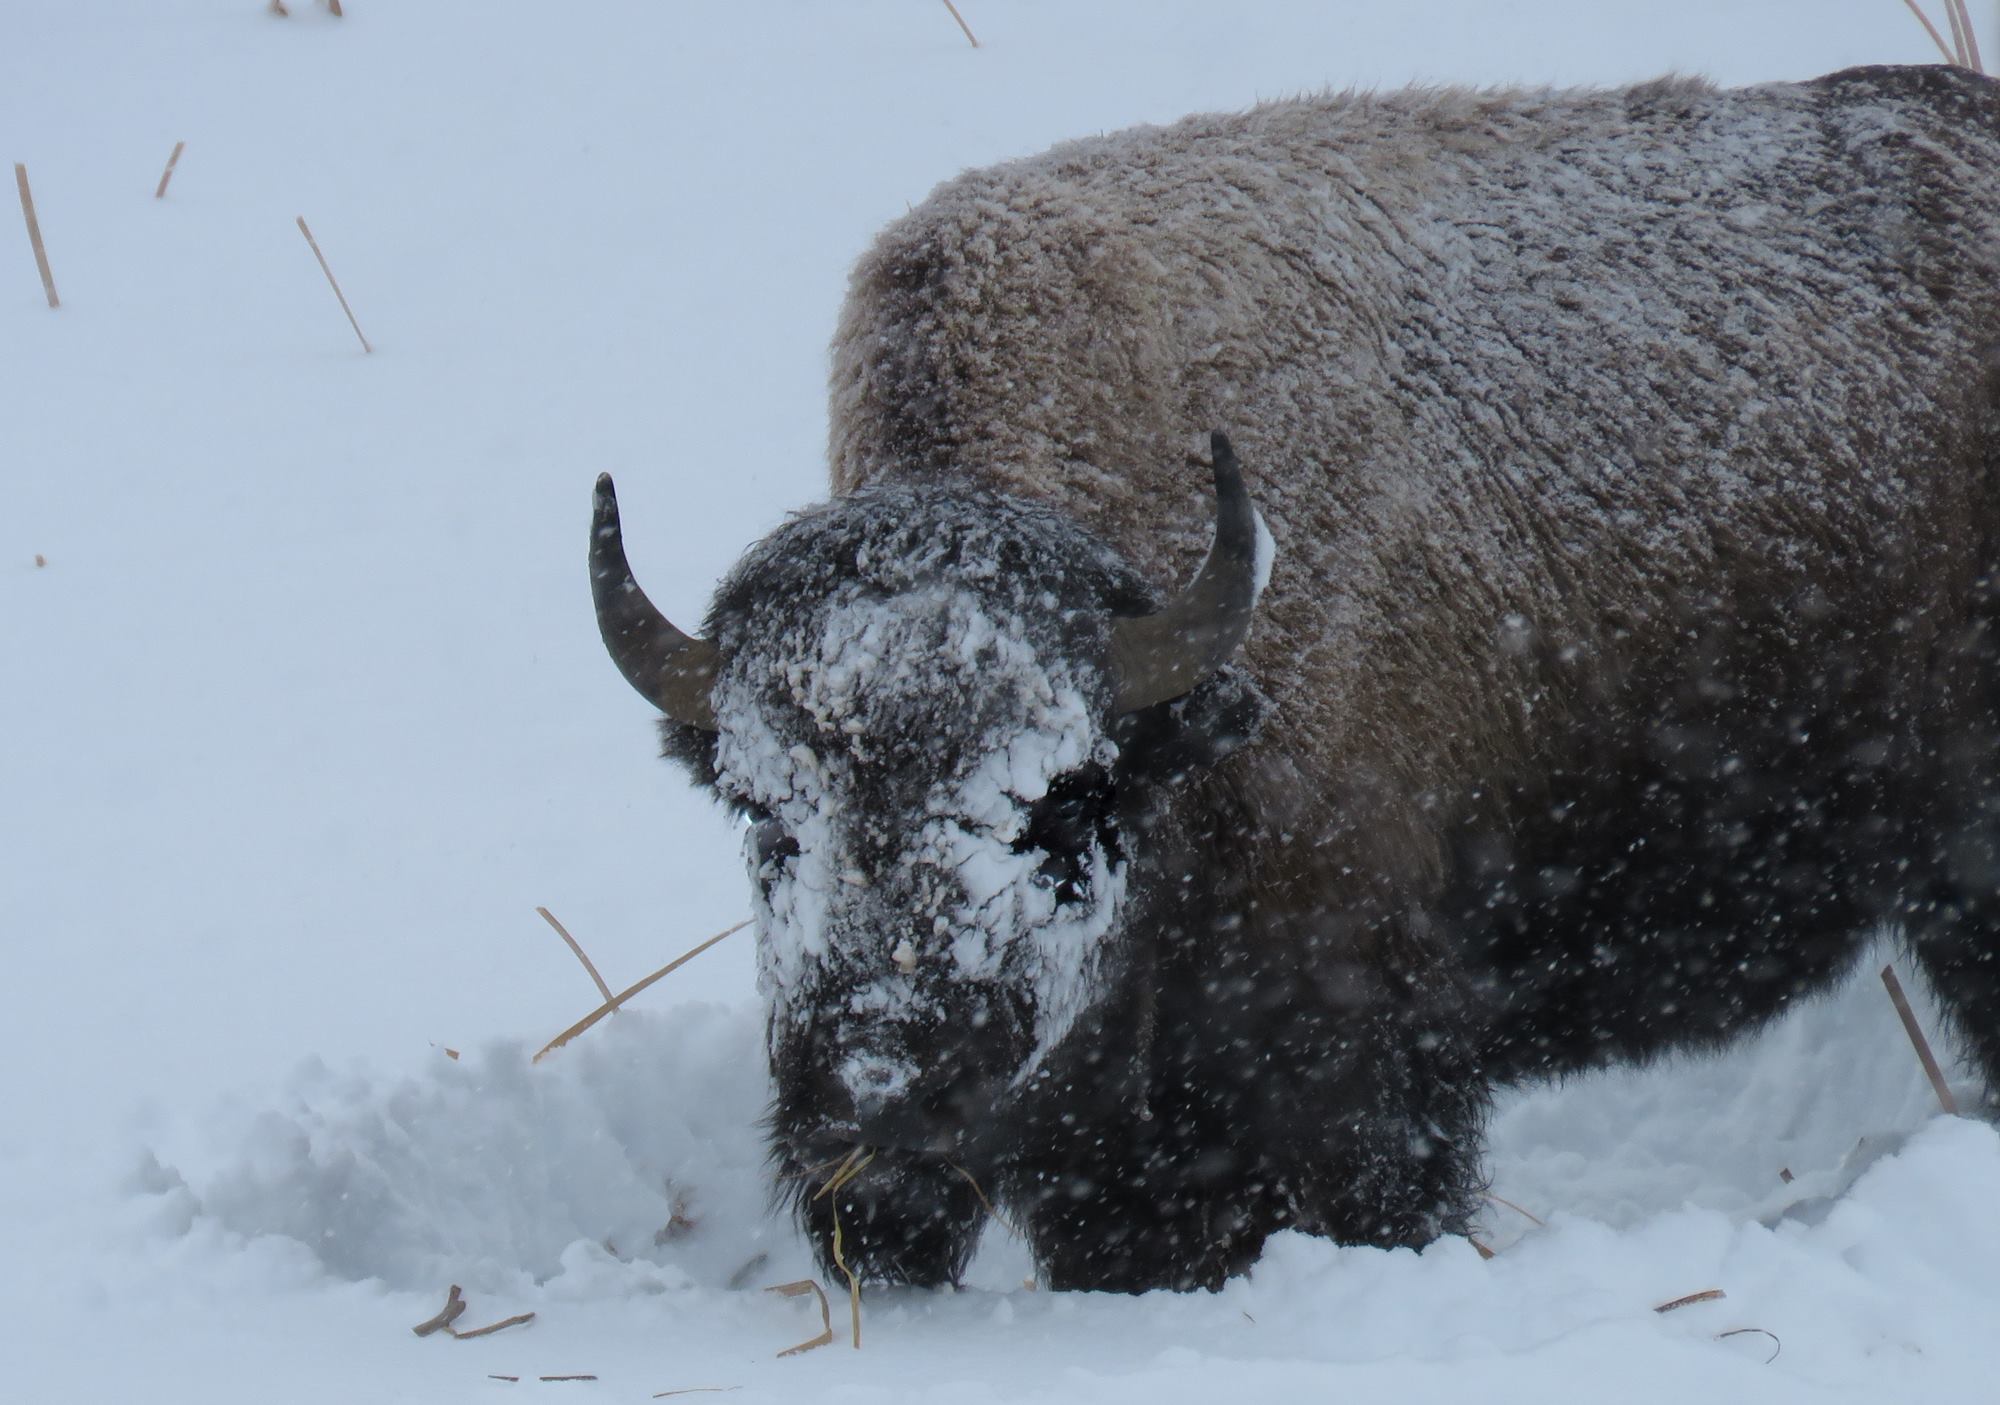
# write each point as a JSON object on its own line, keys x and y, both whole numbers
{"x": 944, "y": 716}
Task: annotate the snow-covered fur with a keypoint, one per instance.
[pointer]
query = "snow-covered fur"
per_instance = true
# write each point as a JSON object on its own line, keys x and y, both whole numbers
{"x": 1627, "y": 654}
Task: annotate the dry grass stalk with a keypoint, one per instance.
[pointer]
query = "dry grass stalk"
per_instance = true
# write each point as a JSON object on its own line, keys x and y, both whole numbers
{"x": 554, "y": 1378}
{"x": 799, "y": 1290}
{"x": 35, "y": 234}
{"x": 168, "y": 174}
{"x": 333, "y": 283}
{"x": 563, "y": 932}
{"x": 1706, "y": 1295}
{"x": 1931, "y": 29}
{"x": 491, "y": 1377}
{"x": 1484, "y": 1252}
{"x": 1955, "y": 18}
{"x": 1963, "y": 49}
{"x": 853, "y": 1166}
{"x": 519, "y": 1319}
{"x": 998, "y": 1218}
{"x": 1962, "y": 34}
{"x": 454, "y": 1305}
{"x": 1528, "y": 1215}
{"x": 850, "y": 1167}
{"x": 1776, "y": 1345}
{"x": 1923, "y": 1046}
{"x": 853, "y": 1283}
{"x": 961, "y": 23}
{"x": 696, "y": 1390}
{"x": 624, "y": 995}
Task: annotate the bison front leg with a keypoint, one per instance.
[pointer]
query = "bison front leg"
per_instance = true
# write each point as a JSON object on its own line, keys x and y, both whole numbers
{"x": 1156, "y": 1218}
{"x": 897, "y": 1219}
{"x": 1130, "y": 1239}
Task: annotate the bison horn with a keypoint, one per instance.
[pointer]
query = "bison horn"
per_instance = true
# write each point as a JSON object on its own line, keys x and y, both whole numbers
{"x": 1162, "y": 655}
{"x": 671, "y": 671}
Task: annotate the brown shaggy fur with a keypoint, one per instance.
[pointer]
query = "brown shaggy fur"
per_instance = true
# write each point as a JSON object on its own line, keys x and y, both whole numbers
{"x": 1519, "y": 378}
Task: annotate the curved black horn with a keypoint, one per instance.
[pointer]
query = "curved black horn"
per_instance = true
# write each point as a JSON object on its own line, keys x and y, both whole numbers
{"x": 671, "y": 671}
{"x": 1162, "y": 655}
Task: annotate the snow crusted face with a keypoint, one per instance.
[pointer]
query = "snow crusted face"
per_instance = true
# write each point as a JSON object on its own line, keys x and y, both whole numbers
{"x": 913, "y": 720}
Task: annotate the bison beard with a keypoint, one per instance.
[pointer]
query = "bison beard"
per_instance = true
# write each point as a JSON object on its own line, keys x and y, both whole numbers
{"x": 1628, "y": 654}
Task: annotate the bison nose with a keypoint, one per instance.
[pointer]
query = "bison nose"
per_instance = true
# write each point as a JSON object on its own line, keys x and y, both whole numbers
{"x": 875, "y": 1084}
{"x": 890, "y": 1107}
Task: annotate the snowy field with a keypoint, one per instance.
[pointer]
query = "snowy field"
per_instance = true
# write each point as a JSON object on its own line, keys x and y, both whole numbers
{"x": 305, "y": 712}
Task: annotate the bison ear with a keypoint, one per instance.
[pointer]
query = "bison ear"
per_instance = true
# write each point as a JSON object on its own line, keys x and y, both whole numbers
{"x": 1184, "y": 736}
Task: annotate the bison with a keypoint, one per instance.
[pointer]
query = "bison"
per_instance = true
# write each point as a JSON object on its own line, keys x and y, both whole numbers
{"x": 1610, "y": 648}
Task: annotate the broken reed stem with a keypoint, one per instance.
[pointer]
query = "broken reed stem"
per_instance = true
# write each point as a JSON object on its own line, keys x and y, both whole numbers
{"x": 1955, "y": 16}
{"x": 333, "y": 283}
{"x": 1963, "y": 49}
{"x": 563, "y": 932}
{"x": 1923, "y": 1045}
{"x": 454, "y": 1307}
{"x": 490, "y": 1328}
{"x": 800, "y": 1289}
{"x": 1972, "y": 60}
{"x": 624, "y": 995}
{"x": 1706, "y": 1295}
{"x": 168, "y": 174}
{"x": 961, "y": 23}
{"x": 1931, "y": 29}
{"x": 35, "y": 233}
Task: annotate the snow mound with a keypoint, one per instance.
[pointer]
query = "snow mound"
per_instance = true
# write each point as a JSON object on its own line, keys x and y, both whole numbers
{"x": 636, "y": 1146}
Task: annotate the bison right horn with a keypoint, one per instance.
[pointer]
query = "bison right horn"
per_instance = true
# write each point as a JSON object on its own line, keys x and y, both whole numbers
{"x": 1162, "y": 655}
{"x": 672, "y": 671}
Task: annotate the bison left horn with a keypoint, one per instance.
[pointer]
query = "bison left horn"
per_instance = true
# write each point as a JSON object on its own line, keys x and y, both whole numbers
{"x": 1163, "y": 655}
{"x": 672, "y": 671}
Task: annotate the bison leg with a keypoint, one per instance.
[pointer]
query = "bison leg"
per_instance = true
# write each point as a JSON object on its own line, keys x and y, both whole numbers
{"x": 900, "y": 1220}
{"x": 1955, "y": 933}
{"x": 1127, "y": 1229}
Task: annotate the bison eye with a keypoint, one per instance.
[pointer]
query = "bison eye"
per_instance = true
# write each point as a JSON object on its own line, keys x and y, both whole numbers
{"x": 1063, "y": 827}
{"x": 773, "y": 846}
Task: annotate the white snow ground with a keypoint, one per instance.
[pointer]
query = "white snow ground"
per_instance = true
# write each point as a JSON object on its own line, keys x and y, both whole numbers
{"x": 306, "y": 711}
